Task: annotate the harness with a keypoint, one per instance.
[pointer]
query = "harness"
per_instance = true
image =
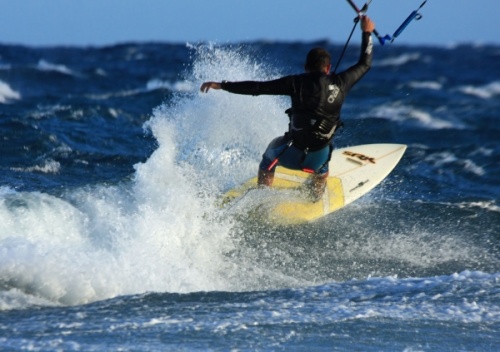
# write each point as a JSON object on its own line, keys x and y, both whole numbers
{"x": 314, "y": 115}
{"x": 315, "y": 134}
{"x": 320, "y": 135}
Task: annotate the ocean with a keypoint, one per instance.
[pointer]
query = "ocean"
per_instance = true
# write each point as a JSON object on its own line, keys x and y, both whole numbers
{"x": 111, "y": 237}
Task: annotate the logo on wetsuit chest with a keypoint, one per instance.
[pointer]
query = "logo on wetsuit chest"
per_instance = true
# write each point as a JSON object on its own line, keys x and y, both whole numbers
{"x": 334, "y": 91}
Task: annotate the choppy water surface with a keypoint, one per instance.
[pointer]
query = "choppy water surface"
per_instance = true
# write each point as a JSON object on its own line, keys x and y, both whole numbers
{"x": 110, "y": 237}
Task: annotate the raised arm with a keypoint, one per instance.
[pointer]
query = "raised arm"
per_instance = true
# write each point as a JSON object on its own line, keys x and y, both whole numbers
{"x": 354, "y": 73}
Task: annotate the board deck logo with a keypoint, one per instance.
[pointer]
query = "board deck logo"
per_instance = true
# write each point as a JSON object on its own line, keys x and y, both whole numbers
{"x": 359, "y": 156}
{"x": 359, "y": 185}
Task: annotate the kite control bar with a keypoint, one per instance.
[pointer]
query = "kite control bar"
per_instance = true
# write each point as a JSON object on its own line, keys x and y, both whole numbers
{"x": 382, "y": 39}
{"x": 413, "y": 16}
{"x": 362, "y": 12}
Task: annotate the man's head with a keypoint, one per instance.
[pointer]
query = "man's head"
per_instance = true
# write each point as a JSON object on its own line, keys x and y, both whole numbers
{"x": 318, "y": 60}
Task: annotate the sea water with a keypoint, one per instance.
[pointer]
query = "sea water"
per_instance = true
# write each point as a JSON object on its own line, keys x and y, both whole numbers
{"x": 111, "y": 237}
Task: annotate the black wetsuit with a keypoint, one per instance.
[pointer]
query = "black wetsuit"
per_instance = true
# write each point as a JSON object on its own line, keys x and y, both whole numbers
{"x": 317, "y": 98}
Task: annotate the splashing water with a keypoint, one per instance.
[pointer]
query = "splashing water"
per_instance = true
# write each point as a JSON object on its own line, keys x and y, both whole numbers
{"x": 155, "y": 233}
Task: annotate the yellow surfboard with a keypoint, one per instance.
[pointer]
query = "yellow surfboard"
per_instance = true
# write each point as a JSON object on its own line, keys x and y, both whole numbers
{"x": 354, "y": 171}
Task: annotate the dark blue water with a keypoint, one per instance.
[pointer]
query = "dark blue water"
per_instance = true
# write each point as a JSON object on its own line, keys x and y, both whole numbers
{"x": 110, "y": 237}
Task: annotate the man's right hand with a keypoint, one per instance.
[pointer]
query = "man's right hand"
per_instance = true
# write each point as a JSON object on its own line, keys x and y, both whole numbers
{"x": 205, "y": 87}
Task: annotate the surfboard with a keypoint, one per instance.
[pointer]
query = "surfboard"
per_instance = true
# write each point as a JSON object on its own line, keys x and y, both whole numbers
{"x": 354, "y": 171}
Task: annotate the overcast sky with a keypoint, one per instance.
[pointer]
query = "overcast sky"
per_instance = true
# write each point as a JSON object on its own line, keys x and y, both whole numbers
{"x": 103, "y": 22}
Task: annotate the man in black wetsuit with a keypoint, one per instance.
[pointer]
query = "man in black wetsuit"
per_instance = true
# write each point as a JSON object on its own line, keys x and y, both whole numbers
{"x": 317, "y": 98}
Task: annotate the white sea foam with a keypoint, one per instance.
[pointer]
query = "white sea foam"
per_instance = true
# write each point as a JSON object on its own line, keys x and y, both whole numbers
{"x": 153, "y": 84}
{"x": 44, "y": 65}
{"x": 47, "y": 111}
{"x": 443, "y": 159}
{"x": 487, "y": 91}
{"x": 398, "y": 61}
{"x": 406, "y": 114}
{"x": 429, "y": 297}
{"x": 17, "y": 299}
{"x": 432, "y": 85}
{"x": 483, "y": 205}
{"x": 178, "y": 86}
{"x": 486, "y": 205}
{"x": 7, "y": 94}
{"x": 49, "y": 166}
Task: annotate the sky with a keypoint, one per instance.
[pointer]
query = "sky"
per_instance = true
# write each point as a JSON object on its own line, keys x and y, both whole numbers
{"x": 107, "y": 22}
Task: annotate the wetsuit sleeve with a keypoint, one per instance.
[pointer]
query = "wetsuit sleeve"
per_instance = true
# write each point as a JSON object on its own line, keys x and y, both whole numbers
{"x": 281, "y": 86}
{"x": 354, "y": 73}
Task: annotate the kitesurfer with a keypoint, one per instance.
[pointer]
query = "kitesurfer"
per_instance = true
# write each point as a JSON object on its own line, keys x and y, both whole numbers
{"x": 317, "y": 97}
